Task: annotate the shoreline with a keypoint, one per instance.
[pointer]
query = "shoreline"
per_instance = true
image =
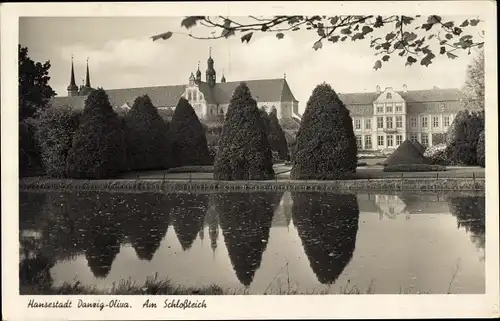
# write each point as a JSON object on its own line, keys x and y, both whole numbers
{"x": 159, "y": 185}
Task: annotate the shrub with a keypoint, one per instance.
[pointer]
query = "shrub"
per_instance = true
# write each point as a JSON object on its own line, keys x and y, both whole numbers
{"x": 147, "y": 134}
{"x": 437, "y": 155}
{"x": 467, "y": 129}
{"x": 326, "y": 145}
{"x": 276, "y": 136}
{"x": 98, "y": 148}
{"x": 438, "y": 138}
{"x": 29, "y": 150}
{"x": 244, "y": 149}
{"x": 189, "y": 143}
{"x": 55, "y": 130}
{"x": 481, "y": 150}
{"x": 406, "y": 153}
{"x": 414, "y": 168}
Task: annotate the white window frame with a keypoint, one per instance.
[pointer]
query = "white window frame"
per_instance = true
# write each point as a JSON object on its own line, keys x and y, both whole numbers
{"x": 399, "y": 124}
{"x": 378, "y": 123}
{"x": 357, "y": 122}
{"x": 387, "y": 122}
{"x": 368, "y": 123}
{"x": 446, "y": 121}
{"x": 434, "y": 118}
{"x": 400, "y": 140}
{"x": 390, "y": 138}
{"x": 378, "y": 140}
{"x": 368, "y": 142}
{"x": 424, "y": 122}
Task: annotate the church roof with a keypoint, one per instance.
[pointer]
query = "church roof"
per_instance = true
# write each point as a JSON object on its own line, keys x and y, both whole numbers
{"x": 168, "y": 96}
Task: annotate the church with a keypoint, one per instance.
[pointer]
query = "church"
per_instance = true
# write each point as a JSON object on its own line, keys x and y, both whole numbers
{"x": 209, "y": 98}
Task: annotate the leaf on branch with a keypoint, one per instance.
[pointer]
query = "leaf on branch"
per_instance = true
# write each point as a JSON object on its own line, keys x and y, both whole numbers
{"x": 407, "y": 20}
{"x": 357, "y": 36}
{"x": 334, "y": 20}
{"x": 386, "y": 58}
{"x": 318, "y": 45}
{"x": 427, "y": 60}
{"x": 480, "y": 45}
{"x": 247, "y": 37}
{"x": 399, "y": 45}
{"x": 163, "y": 36}
{"x": 321, "y": 32}
{"x": 343, "y": 38}
{"x": 356, "y": 28}
{"x": 226, "y": 33}
{"x": 379, "y": 22}
{"x": 390, "y": 36}
{"x": 346, "y": 31}
{"x": 442, "y": 42}
{"x": 402, "y": 53}
{"x": 448, "y": 36}
{"x": 412, "y": 36}
{"x": 448, "y": 24}
{"x": 280, "y": 35}
{"x": 410, "y": 60}
{"x": 190, "y": 21}
{"x": 334, "y": 39}
{"x": 434, "y": 19}
{"x": 296, "y": 28}
{"x": 451, "y": 56}
{"x": 366, "y": 29}
{"x": 378, "y": 65}
{"x": 430, "y": 37}
{"x": 474, "y": 22}
{"x": 457, "y": 30}
{"x": 442, "y": 50}
{"x": 427, "y": 26}
{"x": 465, "y": 23}
{"x": 264, "y": 28}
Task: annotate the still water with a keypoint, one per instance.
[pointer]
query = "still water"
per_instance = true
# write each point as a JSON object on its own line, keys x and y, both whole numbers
{"x": 260, "y": 242}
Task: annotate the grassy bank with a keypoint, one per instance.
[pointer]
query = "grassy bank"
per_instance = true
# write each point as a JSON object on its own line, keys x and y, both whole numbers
{"x": 386, "y": 184}
{"x": 154, "y": 286}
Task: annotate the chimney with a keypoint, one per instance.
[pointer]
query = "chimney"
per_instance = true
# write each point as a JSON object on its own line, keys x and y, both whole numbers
{"x": 378, "y": 88}
{"x": 405, "y": 88}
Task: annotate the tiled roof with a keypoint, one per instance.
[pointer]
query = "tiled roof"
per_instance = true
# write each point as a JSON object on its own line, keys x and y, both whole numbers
{"x": 418, "y": 101}
{"x": 168, "y": 96}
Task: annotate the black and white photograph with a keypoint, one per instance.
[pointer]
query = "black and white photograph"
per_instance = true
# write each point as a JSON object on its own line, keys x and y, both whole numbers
{"x": 175, "y": 165}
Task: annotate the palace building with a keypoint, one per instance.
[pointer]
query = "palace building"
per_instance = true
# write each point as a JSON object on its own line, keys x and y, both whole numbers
{"x": 382, "y": 120}
{"x": 209, "y": 98}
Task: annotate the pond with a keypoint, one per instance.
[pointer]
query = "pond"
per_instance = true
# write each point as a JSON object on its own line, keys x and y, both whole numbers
{"x": 258, "y": 242}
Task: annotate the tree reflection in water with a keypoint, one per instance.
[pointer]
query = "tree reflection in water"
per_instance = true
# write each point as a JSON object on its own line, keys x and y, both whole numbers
{"x": 470, "y": 214}
{"x": 187, "y": 213}
{"x": 245, "y": 220}
{"x": 146, "y": 222}
{"x": 327, "y": 224}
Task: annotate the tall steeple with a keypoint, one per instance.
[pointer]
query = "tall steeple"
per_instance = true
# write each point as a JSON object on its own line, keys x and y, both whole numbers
{"x": 198, "y": 74}
{"x": 223, "y": 79}
{"x": 87, "y": 77}
{"x": 72, "y": 88}
{"x": 210, "y": 73}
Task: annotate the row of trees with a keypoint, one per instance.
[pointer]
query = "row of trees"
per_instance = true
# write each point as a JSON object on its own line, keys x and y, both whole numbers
{"x": 99, "y": 143}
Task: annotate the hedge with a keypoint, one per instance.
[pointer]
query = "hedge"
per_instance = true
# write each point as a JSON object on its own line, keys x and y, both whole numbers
{"x": 414, "y": 168}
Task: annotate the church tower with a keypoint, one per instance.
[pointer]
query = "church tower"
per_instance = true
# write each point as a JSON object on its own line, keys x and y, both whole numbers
{"x": 72, "y": 88}
{"x": 223, "y": 79}
{"x": 86, "y": 89}
{"x": 210, "y": 73}
{"x": 198, "y": 74}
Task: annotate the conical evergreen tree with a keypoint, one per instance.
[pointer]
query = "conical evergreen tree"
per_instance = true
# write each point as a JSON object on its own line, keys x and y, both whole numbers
{"x": 244, "y": 151}
{"x": 277, "y": 137}
{"x": 98, "y": 149}
{"x": 189, "y": 143}
{"x": 147, "y": 135}
{"x": 326, "y": 145}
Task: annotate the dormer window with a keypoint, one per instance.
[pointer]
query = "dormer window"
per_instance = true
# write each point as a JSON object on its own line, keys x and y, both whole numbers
{"x": 388, "y": 96}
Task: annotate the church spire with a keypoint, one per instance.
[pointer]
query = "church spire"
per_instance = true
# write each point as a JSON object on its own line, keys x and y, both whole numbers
{"x": 72, "y": 88}
{"x": 198, "y": 73}
{"x": 223, "y": 79}
{"x": 210, "y": 73}
{"x": 87, "y": 79}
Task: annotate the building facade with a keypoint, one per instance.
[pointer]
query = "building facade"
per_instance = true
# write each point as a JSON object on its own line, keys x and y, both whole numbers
{"x": 209, "y": 98}
{"x": 382, "y": 120}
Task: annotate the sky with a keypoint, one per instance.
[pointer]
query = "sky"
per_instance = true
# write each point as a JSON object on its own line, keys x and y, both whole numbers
{"x": 122, "y": 55}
